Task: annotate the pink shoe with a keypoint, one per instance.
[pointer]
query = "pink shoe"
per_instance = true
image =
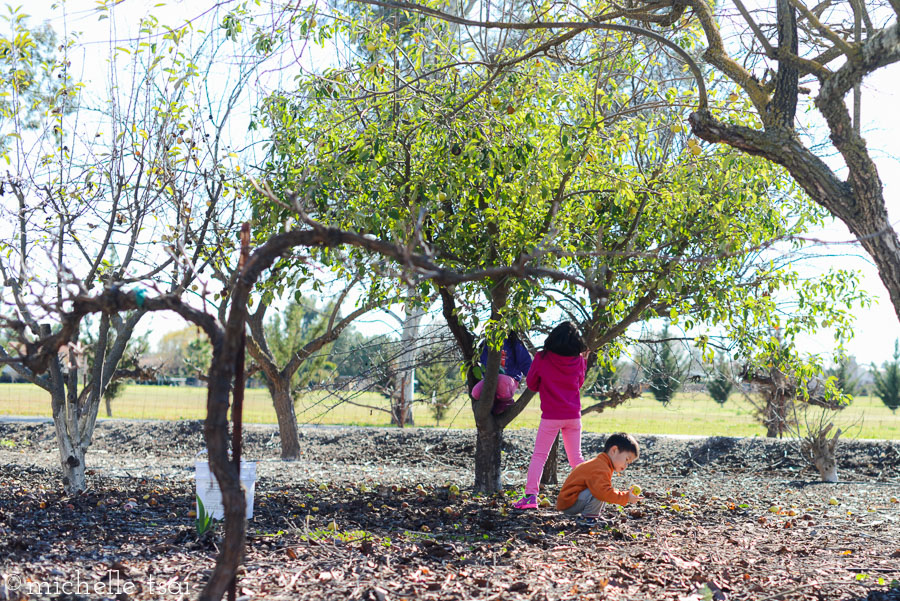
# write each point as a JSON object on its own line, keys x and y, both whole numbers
{"x": 526, "y": 502}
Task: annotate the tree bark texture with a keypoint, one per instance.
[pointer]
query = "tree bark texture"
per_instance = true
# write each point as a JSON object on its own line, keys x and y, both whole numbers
{"x": 550, "y": 475}
{"x": 488, "y": 440}
{"x": 283, "y": 402}
{"x": 820, "y": 450}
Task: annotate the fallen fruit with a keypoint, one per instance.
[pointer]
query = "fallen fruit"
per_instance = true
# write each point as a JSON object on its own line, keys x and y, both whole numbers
{"x": 454, "y": 489}
{"x": 833, "y": 501}
{"x": 774, "y": 509}
{"x": 636, "y": 490}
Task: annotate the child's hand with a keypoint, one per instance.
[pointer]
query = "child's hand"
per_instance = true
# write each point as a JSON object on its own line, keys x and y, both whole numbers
{"x": 633, "y": 498}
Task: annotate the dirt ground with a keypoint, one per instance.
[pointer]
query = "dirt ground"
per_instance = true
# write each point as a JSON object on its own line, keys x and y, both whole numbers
{"x": 368, "y": 514}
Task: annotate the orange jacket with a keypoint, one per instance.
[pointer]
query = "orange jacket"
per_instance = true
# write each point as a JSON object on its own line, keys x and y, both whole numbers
{"x": 595, "y": 475}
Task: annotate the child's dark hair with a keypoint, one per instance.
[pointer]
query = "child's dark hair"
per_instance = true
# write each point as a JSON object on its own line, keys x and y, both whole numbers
{"x": 624, "y": 442}
{"x": 565, "y": 340}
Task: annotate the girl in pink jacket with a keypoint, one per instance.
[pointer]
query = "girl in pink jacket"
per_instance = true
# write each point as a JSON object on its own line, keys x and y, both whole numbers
{"x": 557, "y": 374}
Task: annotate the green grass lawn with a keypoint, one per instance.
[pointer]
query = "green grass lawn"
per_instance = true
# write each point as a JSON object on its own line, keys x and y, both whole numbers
{"x": 693, "y": 413}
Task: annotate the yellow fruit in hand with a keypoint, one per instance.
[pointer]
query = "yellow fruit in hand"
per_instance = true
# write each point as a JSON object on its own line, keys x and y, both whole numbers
{"x": 636, "y": 490}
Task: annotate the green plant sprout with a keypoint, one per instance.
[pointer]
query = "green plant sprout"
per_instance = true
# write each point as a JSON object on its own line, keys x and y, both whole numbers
{"x": 204, "y": 521}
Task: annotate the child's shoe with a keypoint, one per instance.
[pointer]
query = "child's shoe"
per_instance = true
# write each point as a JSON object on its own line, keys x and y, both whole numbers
{"x": 526, "y": 502}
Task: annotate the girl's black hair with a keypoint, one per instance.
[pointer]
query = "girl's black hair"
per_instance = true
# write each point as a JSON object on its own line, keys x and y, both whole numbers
{"x": 565, "y": 340}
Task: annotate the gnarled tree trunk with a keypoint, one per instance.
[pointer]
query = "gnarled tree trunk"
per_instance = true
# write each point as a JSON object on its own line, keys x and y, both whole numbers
{"x": 820, "y": 450}
{"x": 283, "y": 402}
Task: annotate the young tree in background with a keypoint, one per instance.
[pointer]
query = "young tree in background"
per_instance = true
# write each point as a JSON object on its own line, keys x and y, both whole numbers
{"x": 720, "y": 382}
{"x": 665, "y": 369}
{"x": 887, "y": 380}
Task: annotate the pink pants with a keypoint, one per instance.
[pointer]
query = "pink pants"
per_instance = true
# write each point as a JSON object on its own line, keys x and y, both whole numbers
{"x": 546, "y": 434}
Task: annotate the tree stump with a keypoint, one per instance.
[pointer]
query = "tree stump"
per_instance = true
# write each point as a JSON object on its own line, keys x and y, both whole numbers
{"x": 819, "y": 450}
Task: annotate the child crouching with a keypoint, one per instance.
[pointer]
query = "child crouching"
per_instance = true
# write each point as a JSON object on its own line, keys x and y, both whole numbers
{"x": 589, "y": 486}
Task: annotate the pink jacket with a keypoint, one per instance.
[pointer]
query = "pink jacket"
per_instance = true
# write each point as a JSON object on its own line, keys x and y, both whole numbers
{"x": 558, "y": 380}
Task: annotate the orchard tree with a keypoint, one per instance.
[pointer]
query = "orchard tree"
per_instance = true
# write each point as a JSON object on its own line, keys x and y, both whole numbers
{"x": 290, "y": 351}
{"x": 135, "y": 190}
{"x": 561, "y": 181}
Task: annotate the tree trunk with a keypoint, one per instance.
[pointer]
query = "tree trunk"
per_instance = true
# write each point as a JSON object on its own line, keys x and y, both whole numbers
{"x": 820, "y": 450}
{"x": 488, "y": 440}
{"x": 71, "y": 458}
{"x": 401, "y": 404}
{"x": 287, "y": 419}
{"x": 108, "y": 406}
{"x": 777, "y": 405}
{"x": 771, "y": 419}
{"x": 401, "y": 412}
{"x": 550, "y": 474}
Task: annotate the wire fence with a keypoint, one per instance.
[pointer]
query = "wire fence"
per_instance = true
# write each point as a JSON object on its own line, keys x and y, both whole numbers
{"x": 688, "y": 413}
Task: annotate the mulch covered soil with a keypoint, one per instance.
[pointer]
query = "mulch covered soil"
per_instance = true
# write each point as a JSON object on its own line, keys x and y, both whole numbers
{"x": 369, "y": 514}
